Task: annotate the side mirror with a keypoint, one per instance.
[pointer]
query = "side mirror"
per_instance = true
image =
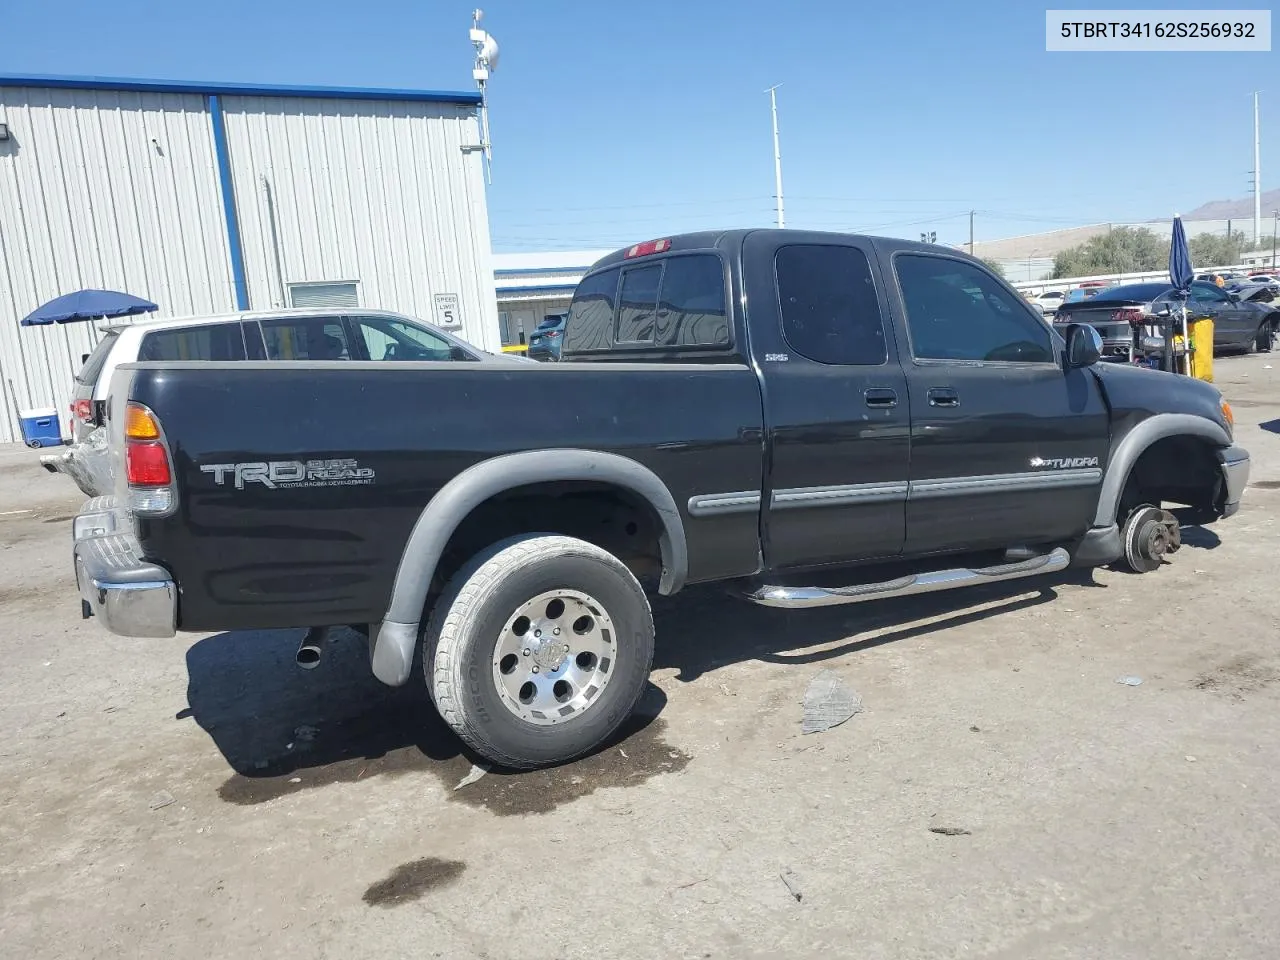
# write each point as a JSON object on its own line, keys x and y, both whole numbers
{"x": 1164, "y": 313}
{"x": 457, "y": 353}
{"x": 1084, "y": 346}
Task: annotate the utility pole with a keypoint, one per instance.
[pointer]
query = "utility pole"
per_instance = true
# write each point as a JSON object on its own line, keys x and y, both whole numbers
{"x": 1257, "y": 175}
{"x": 777, "y": 153}
{"x": 1275, "y": 215}
{"x": 971, "y": 233}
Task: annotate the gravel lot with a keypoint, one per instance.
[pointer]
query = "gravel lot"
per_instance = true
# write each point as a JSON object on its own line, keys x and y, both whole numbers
{"x": 202, "y": 797}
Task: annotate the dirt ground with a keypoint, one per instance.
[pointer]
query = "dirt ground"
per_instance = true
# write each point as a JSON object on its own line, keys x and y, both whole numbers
{"x": 1000, "y": 796}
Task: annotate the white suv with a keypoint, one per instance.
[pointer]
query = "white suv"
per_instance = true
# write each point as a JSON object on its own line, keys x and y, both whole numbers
{"x": 336, "y": 334}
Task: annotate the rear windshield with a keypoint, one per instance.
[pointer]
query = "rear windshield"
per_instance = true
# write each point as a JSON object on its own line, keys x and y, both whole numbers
{"x": 677, "y": 301}
{"x": 88, "y": 374}
{"x": 1134, "y": 291}
{"x": 550, "y": 322}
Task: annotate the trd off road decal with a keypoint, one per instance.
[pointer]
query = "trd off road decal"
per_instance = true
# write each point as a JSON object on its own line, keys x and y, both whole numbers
{"x": 284, "y": 474}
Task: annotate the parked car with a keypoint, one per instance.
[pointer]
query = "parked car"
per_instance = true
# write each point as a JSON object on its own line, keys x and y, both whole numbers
{"x": 1050, "y": 300}
{"x": 1263, "y": 278}
{"x": 1238, "y": 324}
{"x": 889, "y": 418}
{"x": 348, "y": 334}
{"x": 1257, "y": 291}
{"x": 547, "y": 338}
{"x": 1078, "y": 295}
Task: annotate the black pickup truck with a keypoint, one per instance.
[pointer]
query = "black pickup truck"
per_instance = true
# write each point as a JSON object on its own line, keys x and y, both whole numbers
{"x": 817, "y": 418}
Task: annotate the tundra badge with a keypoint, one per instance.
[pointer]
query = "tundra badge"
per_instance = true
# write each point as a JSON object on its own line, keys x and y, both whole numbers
{"x": 1064, "y": 463}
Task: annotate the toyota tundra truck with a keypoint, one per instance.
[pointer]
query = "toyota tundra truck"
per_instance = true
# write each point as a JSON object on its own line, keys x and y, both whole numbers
{"x": 810, "y": 418}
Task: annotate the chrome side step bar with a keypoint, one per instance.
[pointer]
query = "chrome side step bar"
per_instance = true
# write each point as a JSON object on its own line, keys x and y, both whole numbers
{"x": 795, "y": 598}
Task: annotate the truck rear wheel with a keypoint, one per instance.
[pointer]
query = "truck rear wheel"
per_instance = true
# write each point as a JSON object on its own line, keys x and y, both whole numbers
{"x": 538, "y": 650}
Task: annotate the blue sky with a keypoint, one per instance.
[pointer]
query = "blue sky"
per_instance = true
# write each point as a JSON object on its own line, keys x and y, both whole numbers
{"x": 614, "y": 122}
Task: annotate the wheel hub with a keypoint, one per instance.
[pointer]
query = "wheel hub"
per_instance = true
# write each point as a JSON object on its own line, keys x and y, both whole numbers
{"x": 554, "y": 657}
{"x": 549, "y": 652}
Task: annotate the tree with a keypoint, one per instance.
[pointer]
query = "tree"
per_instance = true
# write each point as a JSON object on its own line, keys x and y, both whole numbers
{"x": 994, "y": 266}
{"x": 1215, "y": 250}
{"x": 1120, "y": 250}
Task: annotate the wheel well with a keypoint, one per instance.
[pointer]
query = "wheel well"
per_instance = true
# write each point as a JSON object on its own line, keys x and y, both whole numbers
{"x": 1180, "y": 469}
{"x": 613, "y": 518}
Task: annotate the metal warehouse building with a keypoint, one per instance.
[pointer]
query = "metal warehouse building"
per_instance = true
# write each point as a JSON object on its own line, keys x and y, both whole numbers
{"x": 212, "y": 198}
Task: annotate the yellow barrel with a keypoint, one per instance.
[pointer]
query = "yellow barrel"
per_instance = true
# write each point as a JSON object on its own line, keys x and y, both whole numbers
{"x": 1201, "y": 331}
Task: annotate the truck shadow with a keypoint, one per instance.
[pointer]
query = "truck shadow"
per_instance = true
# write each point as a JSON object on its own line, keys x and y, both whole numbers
{"x": 283, "y": 730}
{"x": 707, "y": 628}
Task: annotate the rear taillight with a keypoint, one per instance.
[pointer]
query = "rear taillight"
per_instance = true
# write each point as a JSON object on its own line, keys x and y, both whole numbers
{"x": 148, "y": 470}
{"x": 552, "y": 333}
{"x": 82, "y": 410}
{"x": 1133, "y": 315}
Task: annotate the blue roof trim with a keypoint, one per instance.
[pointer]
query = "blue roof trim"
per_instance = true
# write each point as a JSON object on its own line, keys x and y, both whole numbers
{"x": 236, "y": 89}
{"x": 514, "y": 273}
{"x": 556, "y": 288}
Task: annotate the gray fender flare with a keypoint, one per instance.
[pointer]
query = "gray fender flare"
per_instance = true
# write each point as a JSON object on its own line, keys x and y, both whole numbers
{"x": 394, "y": 640}
{"x": 1136, "y": 441}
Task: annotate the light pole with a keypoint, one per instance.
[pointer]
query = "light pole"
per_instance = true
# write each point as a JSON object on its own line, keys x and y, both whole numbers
{"x": 777, "y": 153}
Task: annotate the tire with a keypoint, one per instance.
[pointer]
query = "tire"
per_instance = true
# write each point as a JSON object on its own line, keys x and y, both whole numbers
{"x": 33, "y": 444}
{"x": 1261, "y": 340}
{"x": 479, "y": 614}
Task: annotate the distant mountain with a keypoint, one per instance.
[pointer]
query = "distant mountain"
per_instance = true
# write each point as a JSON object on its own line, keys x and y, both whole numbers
{"x": 1233, "y": 209}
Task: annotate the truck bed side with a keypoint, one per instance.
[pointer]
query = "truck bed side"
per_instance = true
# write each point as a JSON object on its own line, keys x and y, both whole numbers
{"x": 360, "y": 448}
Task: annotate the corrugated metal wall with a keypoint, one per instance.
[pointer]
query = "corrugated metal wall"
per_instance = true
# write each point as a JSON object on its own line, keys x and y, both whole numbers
{"x": 375, "y": 191}
{"x": 100, "y": 189}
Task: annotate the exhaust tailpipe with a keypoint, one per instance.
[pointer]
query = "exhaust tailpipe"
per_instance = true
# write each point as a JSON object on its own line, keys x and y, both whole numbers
{"x": 311, "y": 647}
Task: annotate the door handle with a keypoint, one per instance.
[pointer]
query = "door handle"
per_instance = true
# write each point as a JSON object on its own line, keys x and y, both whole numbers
{"x": 880, "y": 397}
{"x": 943, "y": 397}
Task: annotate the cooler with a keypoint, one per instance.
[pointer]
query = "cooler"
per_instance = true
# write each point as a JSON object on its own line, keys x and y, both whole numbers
{"x": 40, "y": 428}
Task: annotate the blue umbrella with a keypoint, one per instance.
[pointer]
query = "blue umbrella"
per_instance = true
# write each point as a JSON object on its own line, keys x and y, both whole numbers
{"x": 1180, "y": 275}
{"x": 87, "y": 305}
{"x": 1180, "y": 271}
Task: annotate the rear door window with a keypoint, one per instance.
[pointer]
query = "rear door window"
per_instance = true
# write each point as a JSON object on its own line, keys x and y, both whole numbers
{"x": 88, "y": 374}
{"x": 306, "y": 338}
{"x": 830, "y": 310}
{"x": 214, "y": 341}
{"x": 590, "y": 324}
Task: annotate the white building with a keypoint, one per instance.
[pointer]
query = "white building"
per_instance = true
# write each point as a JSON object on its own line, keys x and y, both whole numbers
{"x": 531, "y": 286}
{"x": 207, "y": 198}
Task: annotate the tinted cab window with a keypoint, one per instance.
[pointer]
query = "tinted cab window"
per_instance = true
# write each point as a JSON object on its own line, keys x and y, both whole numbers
{"x": 956, "y": 311}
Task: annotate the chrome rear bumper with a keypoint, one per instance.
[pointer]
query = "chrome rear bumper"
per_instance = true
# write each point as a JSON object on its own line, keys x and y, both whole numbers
{"x": 131, "y": 596}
